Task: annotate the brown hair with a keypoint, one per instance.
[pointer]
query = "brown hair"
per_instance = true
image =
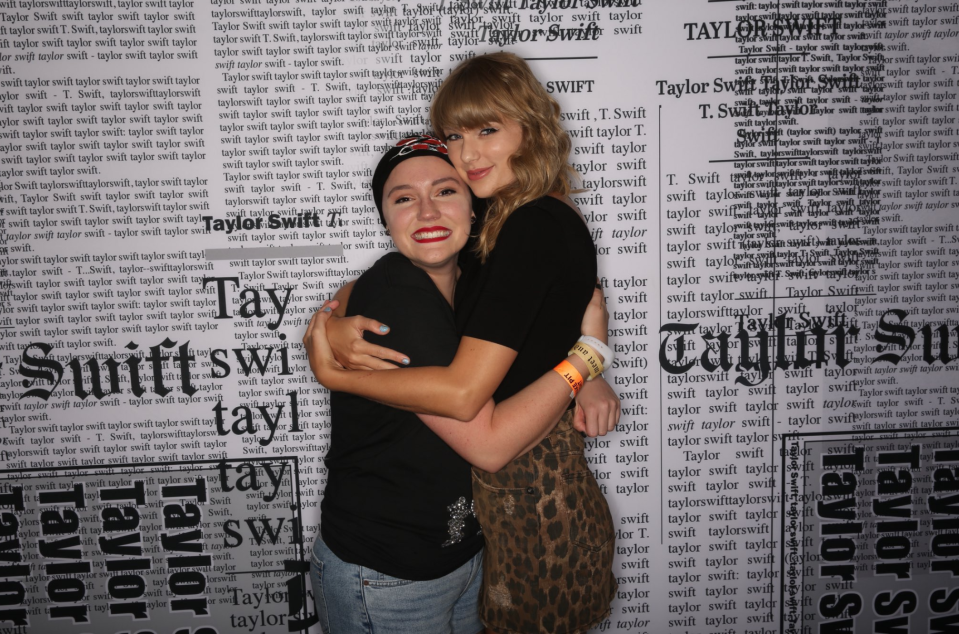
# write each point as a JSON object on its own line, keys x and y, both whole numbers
{"x": 490, "y": 88}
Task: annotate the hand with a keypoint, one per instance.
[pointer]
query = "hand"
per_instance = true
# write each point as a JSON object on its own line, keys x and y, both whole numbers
{"x": 352, "y": 351}
{"x": 596, "y": 318}
{"x": 597, "y": 408}
{"x": 318, "y": 350}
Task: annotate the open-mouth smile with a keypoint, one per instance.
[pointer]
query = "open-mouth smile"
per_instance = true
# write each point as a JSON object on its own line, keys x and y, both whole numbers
{"x": 432, "y": 234}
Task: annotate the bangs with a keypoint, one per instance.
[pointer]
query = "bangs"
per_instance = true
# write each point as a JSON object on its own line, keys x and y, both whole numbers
{"x": 470, "y": 100}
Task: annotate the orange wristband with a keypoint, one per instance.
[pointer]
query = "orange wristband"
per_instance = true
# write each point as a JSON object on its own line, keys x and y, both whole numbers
{"x": 571, "y": 375}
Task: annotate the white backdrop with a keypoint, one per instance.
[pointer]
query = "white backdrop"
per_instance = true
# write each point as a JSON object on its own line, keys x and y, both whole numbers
{"x": 771, "y": 188}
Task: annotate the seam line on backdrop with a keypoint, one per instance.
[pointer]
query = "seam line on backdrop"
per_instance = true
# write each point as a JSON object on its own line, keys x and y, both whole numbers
{"x": 659, "y": 232}
{"x": 772, "y": 414}
{"x": 305, "y": 251}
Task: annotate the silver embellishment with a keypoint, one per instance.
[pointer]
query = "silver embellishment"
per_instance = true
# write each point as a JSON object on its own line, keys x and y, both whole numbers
{"x": 459, "y": 512}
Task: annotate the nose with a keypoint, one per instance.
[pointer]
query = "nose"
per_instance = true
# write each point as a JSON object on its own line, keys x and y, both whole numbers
{"x": 428, "y": 209}
{"x": 468, "y": 149}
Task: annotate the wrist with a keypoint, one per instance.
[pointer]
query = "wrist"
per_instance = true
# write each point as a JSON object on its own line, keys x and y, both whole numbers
{"x": 605, "y": 353}
{"x": 601, "y": 335}
{"x": 572, "y": 376}
{"x": 327, "y": 375}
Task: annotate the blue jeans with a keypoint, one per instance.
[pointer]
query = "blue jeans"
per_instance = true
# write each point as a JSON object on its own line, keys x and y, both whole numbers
{"x": 351, "y": 599}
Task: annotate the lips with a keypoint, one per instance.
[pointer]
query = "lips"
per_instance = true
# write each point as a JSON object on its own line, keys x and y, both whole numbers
{"x": 475, "y": 175}
{"x": 431, "y": 234}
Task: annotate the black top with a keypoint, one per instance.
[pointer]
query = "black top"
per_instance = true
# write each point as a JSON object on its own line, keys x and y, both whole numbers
{"x": 531, "y": 293}
{"x": 397, "y": 498}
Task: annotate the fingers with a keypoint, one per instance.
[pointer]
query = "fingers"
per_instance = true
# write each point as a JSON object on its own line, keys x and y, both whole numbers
{"x": 579, "y": 419}
{"x": 592, "y": 426}
{"x": 371, "y": 325}
{"x": 599, "y": 408}
{"x": 353, "y": 351}
{"x": 380, "y": 354}
{"x": 599, "y": 296}
{"x": 597, "y": 423}
{"x": 596, "y": 318}
{"x": 318, "y": 320}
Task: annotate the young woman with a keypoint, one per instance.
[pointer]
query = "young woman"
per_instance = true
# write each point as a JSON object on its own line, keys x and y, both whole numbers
{"x": 399, "y": 546}
{"x": 549, "y": 535}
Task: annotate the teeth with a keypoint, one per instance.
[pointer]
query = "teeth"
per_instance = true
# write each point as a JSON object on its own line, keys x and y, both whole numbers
{"x": 429, "y": 235}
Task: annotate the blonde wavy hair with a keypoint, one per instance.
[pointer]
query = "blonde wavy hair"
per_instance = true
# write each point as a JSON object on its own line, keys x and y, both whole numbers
{"x": 491, "y": 88}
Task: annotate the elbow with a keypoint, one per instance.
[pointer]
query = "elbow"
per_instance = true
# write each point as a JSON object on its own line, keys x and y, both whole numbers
{"x": 466, "y": 405}
{"x": 490, "y": 463}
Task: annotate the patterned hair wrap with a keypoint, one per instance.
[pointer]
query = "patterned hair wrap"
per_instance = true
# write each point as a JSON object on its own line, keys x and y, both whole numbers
{"x": 410, "y": 147}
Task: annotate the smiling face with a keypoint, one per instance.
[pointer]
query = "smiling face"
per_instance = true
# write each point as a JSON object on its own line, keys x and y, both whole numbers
{"x": 481, "y": 155}
{"x": 427, "y": 208}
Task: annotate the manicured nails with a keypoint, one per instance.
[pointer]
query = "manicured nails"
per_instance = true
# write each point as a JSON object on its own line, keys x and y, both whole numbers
{"x": 384, "y": 328}
{"x": 327, "y": 310}
{"x": 405, "y": 361}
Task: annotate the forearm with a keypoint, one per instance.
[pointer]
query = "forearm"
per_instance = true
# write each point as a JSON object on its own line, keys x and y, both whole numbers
{"x": 429, "y": 390}
{"x": 499, "y": 434}
{"x": 459, "y": 391}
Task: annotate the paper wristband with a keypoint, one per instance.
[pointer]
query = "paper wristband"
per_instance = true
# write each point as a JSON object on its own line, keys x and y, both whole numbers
{"x": 571, "y": 375}
{"x": 601, "y": 348}
{"x": 587, "y": 354}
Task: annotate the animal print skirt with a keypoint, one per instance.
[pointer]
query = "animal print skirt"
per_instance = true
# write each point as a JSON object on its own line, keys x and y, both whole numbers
{"x": 547, "y": 564}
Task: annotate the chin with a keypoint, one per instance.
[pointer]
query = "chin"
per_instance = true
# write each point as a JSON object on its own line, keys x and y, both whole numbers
{"x": 483, "y": 190}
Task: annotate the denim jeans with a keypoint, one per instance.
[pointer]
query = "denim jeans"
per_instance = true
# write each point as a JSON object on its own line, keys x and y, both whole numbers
{"x": 351, "y": 599}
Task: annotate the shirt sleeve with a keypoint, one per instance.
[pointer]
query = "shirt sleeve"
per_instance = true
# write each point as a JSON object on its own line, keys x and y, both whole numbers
{"x": 522, "y": 269}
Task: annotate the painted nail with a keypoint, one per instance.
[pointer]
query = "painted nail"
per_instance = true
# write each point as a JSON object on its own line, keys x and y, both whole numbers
{"x": 384, "y": 328}
{"x": 405, "y": 361}
{"x": 327, "y": 310}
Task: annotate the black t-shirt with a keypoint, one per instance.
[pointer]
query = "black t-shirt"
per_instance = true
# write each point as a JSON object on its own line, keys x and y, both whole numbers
{"x": 531, "y": 293}
{"x": 398, "y": 499}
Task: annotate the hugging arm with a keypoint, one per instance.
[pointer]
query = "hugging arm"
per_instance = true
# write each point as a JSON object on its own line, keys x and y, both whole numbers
{"x": 457, "y": 391}
{"x": 497, "y": 433}
{"x": 597, "y": 406}
{"x": 463, "y": 388}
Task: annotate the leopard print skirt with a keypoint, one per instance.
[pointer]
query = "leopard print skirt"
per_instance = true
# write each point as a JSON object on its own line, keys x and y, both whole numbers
{"x": 547, "y": 565}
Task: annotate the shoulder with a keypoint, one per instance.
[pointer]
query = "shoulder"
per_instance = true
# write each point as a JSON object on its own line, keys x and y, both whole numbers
{"x": 541, "y": 223}
{"x": 534, "y": 220}
{"x": 392, "y": 274}
{"x": 394, "y": 269}
{"x": 544, "y": 214}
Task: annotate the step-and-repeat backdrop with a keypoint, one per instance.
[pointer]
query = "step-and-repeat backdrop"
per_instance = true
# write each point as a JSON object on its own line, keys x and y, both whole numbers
{"x": 771, "y": 187}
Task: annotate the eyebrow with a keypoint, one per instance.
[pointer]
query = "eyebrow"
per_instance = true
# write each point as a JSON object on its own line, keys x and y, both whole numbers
{"x": 433, "y": 184}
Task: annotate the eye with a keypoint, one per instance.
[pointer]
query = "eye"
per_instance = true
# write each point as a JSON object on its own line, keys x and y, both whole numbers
{"x": 453, "y": 136}
{"x": 488, "y": 131}
{"x": 448, "y": 191}
{"x": 401, "y": 200}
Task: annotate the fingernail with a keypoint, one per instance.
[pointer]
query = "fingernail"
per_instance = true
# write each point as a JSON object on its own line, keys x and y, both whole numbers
{"x": 384, "y": 328}
{"x": 327, "y": 310}
{"x": 405, "y": 361}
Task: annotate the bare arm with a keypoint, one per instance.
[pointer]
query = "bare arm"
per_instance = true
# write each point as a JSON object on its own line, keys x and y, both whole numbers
{"x": 441, "y": 393}
{"x": 496, "y": 434}
{"x": 500, "y": 433}
{"x": 459, "y": 391}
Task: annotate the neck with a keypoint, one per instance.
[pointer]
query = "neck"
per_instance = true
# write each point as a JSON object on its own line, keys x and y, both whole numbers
{"x": 445, "y": 280}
